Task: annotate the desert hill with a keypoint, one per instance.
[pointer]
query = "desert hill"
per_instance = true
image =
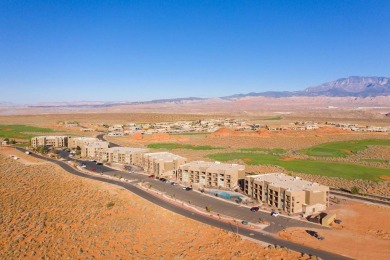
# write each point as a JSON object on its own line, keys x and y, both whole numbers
{"x": 49, "y": 214}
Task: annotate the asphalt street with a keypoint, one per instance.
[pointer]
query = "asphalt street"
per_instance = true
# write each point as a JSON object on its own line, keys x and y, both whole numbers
{"x": 236, "y": 211}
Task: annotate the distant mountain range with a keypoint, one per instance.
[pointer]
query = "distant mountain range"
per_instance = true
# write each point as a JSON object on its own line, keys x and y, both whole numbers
{"x": 346, "y": 87}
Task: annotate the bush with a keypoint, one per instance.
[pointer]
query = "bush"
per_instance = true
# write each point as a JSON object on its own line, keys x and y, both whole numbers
{"x": 110, "y": 205}
{"x": 208, "y": 209}
{"x": 355, "y": 190}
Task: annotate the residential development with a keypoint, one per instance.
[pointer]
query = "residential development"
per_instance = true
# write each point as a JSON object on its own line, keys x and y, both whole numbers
{"x": 73, "y": 142}
{"x": 162, "y": 164}
{"x": 94, "y": 149}
{"x": 53, "y": 141}
{"x": 276, "y": 190}
{"x": 125, "y": 155}
{"x": 290, "y": 194}
{"x": 211, "y": 174}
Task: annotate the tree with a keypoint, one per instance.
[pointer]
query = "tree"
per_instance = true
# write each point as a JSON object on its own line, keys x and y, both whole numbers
{"x": 6, "y": 139}
{"x": 78, "y": 150}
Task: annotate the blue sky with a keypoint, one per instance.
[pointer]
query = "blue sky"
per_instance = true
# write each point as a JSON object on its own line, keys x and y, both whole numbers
{"x": 142, "y": 50}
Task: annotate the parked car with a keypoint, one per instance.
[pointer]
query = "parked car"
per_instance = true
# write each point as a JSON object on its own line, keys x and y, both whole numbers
{"x": 244, "y": 222}
{"x": 187, "y": 188}
{"x": 27, "y": 152}
{"x": 99, "y": 163}
{"x": 93, "y": 169}
{"x": 174, "y": 183}
{"x": 275, "y": 214}
{"x": 255, "y": 209}
{"x": 151, "y": 176}
{"x": 163, "y": 179}
{"x": 83, "y": 165}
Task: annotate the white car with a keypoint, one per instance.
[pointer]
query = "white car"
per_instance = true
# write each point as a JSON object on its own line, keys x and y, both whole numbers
{"x": 27, "y": 152}
{"x": 275, "y": 214}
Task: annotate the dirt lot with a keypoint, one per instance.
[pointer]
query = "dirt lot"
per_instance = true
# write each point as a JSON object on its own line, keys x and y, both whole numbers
{"x": 47, "y": 213}
{"x": 363, "y": 234}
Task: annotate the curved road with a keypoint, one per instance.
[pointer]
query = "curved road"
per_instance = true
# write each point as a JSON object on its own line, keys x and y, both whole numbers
{"x": 260, "y": 236}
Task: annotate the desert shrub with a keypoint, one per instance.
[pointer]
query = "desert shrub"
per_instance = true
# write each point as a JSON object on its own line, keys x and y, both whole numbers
{"x": 208, "y": 209}
{"x": 110, "y": 204}
{"x": 355, "y": 190}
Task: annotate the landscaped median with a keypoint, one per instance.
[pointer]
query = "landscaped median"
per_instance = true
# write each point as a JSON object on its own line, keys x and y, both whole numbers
{"x": 325, "y": 168}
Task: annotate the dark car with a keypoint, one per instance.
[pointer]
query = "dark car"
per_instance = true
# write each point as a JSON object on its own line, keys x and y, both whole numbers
{"x": 151, "y": 176}
{"x": 163, "y": 179}
{"x": 93, "y": 169}
{"x": 255, "y": 209}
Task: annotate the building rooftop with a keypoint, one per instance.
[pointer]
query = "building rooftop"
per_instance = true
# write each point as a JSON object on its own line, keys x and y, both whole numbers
{"x": 51, "y": 136}
{"x": 125, "y": 150}
{"x": 164, "y": 156}
{"x": 85, "y": 138}
{"x": 215, "y": 165}
{"x": 102, "y": 144}
{"x": 288, "y": 182}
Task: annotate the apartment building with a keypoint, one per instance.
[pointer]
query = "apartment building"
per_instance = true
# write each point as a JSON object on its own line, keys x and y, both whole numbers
{"x": 73, "y": 142}
{"x": 123, "y": 155}
{"x": 211, "y": 174}
{"x": 94, "y": 149}
{"x": 54, "y": 141}
{"x": 162, "y": 164}
{"x": 290, "y": 194}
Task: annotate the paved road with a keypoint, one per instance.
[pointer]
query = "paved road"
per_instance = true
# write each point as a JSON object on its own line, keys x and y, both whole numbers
{"x": 101, "y": 137}
{"x": 261, "y": 236}
{"x": 220, "y": 206}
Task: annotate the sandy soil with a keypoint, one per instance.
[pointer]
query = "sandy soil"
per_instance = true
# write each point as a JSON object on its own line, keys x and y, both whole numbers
{"x": 23, "y": 158}
{"x": 47, "y": 213}
{"x": 363, "y": 234}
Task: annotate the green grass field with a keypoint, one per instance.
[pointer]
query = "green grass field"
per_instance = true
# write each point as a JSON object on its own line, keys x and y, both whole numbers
{"x": 171, "y": 146}
{"x": 269, "y": 151}
{"x": 343, "y": 149}
{"x": 274, "y": 118}
{"x": 375, "y": 160}
{"x": 21, "y": 131}
{"x": 331, "y": 169}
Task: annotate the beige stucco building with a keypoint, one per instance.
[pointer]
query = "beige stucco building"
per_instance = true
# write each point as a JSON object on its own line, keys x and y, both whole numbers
{"x": 73, "y": 142}
{"x": 54, "y": 141}
{"x": 162, "y": 164}
{"x": 123, "y": 155}
{"x": 211, "y": 174}
{"x": 94, "y": 149}
{"x": 290, "y": 194}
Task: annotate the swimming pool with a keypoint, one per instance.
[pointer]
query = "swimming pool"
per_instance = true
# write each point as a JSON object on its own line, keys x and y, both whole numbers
{"x": 225, "y": 194}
